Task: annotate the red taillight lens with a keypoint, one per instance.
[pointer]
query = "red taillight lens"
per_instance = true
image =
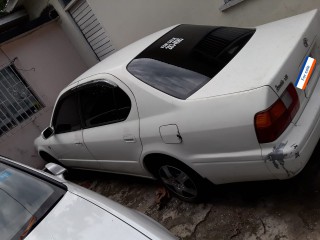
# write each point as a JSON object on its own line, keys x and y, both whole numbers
{"x": 272, "y": 122}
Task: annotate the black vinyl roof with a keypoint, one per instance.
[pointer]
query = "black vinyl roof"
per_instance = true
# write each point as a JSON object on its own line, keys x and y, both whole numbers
{"x": 200, "y": 51}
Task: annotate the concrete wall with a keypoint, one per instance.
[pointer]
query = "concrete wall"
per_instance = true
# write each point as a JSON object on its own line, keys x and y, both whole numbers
{"x": 48, "y": 62}
{"x": 35, "y": 7}
{"x": 127, "y": 21}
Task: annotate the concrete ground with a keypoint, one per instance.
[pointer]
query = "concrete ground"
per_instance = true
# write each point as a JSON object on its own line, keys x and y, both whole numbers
{"x": 261, "y": 210}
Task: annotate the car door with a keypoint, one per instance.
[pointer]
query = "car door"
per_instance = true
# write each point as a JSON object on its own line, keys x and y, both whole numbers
{"x": 67, "y": 142}
{"x": 111, "y": 121}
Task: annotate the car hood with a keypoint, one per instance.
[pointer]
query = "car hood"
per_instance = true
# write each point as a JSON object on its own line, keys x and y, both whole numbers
{"x": 83, "y": 214}
{"x": 274, "y": 53}
{"x": 76, "y": 218}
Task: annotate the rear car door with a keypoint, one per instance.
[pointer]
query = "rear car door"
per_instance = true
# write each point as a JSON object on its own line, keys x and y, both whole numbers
{"x": 111, "y": 125}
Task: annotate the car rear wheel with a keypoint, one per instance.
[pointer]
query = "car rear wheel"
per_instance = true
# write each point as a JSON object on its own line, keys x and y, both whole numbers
{"x": 182, "y": 181}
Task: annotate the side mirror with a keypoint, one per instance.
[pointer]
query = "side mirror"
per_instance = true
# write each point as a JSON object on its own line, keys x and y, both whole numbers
{"x": 48, "y": 132}
{"x": 55, "y": 170}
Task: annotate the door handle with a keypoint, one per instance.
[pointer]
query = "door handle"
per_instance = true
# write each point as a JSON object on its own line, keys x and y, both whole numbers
{"x": 129, "y": 139}
{"x": 78, "y": 143}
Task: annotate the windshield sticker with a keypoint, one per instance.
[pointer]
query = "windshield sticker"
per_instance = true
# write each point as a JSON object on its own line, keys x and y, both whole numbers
{"x": 305, "y": 73}
{"x": 4, "y": 175}
{"x": 172, "y": 43}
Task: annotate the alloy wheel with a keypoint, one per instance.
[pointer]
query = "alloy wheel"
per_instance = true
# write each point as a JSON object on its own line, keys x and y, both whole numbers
{"x": 178, "y": 181}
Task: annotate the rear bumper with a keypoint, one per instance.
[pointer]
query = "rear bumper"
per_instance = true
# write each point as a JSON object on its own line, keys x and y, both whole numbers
{"x": 288, "y": 156}
{"x": 281, "y": 159}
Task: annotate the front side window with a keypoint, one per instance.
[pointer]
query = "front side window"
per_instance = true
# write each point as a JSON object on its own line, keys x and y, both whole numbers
{"x": 91, "y": 105}
{"x": 103, "y": 104}
{"x": 17, "y": 101}
{"x": 25, "y": 200}
{"x": 66, "y": 117}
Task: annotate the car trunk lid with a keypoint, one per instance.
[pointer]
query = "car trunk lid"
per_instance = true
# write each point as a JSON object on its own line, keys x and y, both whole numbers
{"x": 273, "y": 57}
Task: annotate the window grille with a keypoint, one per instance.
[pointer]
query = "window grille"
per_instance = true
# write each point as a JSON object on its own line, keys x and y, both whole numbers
{"x": 17, "y": 101}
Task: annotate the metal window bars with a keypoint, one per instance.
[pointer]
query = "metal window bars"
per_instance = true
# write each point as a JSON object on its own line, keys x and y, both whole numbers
{"x": 17, "y": 101}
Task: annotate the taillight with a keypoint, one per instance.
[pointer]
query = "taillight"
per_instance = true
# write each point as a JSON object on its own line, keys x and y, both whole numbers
{"x": 272, "y": 122}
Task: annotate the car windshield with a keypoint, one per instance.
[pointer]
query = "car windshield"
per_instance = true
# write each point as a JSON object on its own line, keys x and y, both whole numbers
{"x": 187, "y": 57}
{"x": 25, "y": 200}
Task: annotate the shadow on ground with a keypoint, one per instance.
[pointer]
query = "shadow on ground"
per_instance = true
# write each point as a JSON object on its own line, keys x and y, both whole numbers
{"x": 277, "y": 210}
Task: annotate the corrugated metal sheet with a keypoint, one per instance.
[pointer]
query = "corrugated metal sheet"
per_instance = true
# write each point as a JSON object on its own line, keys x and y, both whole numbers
{"x": 91, "y": 29}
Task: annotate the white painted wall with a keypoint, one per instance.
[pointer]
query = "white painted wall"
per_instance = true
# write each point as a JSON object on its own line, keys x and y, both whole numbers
{"x": 48, "y": 62}
{"x": 35, "y": 7}
{"x": 127, "y": 21}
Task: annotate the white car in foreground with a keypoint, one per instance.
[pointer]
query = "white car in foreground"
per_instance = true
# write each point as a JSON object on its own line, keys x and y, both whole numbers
{"x": 190, "y": 103}
{"x": 38, "y": 206}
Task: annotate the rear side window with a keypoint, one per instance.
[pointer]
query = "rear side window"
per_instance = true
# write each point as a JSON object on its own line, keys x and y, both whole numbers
{"x": 123, "y": 103}
{"x": 187, "y": 57}
{"x": 66, "y": 117}
{"x": 103, "y": 104}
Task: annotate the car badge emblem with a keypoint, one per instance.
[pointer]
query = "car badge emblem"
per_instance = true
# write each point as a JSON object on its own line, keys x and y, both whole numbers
{"x": 306, "y": 42}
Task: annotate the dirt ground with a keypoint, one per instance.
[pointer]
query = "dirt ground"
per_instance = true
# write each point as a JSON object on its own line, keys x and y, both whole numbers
{"x": 260, "y": 210}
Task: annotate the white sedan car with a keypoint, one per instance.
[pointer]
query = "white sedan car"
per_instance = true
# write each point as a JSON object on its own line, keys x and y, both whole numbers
{"x": 195, "y": 103}
{"x": 37, "y": 206}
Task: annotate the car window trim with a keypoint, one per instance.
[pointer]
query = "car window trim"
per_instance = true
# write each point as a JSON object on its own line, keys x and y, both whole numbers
{"x": 76, "y": 90}
{"x": 33, "y": 173}
{"x": 107, "y": 81}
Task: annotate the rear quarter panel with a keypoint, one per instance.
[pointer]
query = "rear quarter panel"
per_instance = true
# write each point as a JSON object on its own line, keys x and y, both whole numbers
{"x": 219, "y": 139}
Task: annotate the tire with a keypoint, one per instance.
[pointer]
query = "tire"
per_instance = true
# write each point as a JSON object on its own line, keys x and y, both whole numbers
{"x": 181, "y": 181}
{"x": 48, "y": 158}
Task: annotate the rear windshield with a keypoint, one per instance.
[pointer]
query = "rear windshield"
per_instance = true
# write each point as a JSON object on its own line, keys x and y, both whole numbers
{"x": 187, "y": 57}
